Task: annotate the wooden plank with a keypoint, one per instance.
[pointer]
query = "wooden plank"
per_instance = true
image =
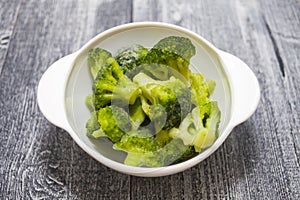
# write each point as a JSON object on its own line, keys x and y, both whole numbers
{"x": 8, "y": 16}
{"x": 38, "y": 160}
{"x": 284, "y": 33}
{"x": 168, "y": 187}
{"x": 277, "y": 151}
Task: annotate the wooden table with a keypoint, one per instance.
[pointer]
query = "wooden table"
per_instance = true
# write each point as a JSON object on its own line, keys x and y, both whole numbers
{"x": 259, "y": 160}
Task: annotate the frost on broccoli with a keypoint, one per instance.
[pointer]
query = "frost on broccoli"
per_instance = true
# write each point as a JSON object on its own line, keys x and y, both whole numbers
{"x": 201, "y": 89}
{"x": 199, "y": 128}
{"x": 97, "y": 60}
{"x": 173, "y": 95}
{"x": 136, "y": 114}
{"x": 207, "y": 111}
{"x": 158, "y": 116}
{"x": 176, "y": 151}
{"x": 131, "y": 57}
{"x": 189, "y": 152}
{"x": 90, "y": 102}
{"x": 141, "y": 147}
{"x": 105, "y": 83}
{"x": 210, "y": 115}
{"x": 114, "y": 123}
{"x": 173, "y": 51}
{"x": 92, "y": 124}
{"x": 125, "y": 92}
{"x": 111, "y": 82}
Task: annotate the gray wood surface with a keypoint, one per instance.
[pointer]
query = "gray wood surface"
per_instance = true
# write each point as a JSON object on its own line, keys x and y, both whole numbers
{"x": 259, "y": 160}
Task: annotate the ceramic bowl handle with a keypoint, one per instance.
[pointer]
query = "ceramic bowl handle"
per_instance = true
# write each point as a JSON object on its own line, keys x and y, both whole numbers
{"x": 51, "y": 89}
{"x": 244, "y": 88}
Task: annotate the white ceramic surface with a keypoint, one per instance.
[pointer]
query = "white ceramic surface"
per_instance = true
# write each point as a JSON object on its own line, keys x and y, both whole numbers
{"x": 64, "y": 86}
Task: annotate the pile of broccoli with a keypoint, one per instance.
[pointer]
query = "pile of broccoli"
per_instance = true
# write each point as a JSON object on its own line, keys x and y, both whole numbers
{"x": 150, "y": 105}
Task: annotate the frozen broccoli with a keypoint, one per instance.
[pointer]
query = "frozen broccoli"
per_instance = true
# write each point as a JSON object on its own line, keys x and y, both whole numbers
{"x": 105, "y": 83}
{"x": 126, "y": 92}
{"x": 158, "y": 116}
{"x": 131, "y": 57}
{"x": 157, "y": 71}
{"x": 114, "y": 123}
{"x": 174, "y": 151}
{"x": 173, "y": 51}
{"x": 210, "y": 115}
{"x": 92, "y": 124}
{"x": 97, "y": 60}
{"x": 136, "y": 114}
{"x": 201, "y": 89}
{"x": 89, "y": 102}
{"x": 194, "y": 132}
{"x": 111, "y": 83}
{"x": 150, "y": 105}
{"x": 144, "y": 150}
{"x": 173, "y": 95}
{"x": 163, "y": 138}
{"x": 141, "y": 147}
{"x": 189, "y": 152}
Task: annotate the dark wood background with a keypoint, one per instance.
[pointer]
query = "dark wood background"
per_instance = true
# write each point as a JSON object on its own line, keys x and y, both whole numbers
{"x": 259, "y": 160}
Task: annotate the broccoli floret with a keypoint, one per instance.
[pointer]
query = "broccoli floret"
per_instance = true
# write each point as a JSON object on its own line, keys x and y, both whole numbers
{"x": 158, "y": 117}
{"x": 187, "y": 154}
{"x": 174, "y": 151}
{"x": 173, "y": 51}
{"x": 114, "y": 123}
{"x": 141, "y": 147}
{"x": 210, "y": 115}
{"x": 92, "y": 124}
{"x": 157, "y": 71}
{"x": 146, "y": 159}
{"x": 139, "y": 141}
{"x": 125, "y": 93}
{"x": 146, "y": 106}
{"x": 159, "y": 94}
{"x": 137, "y": 114}
{"x": 193, "y": 132}
{"x": 93, "y": 128}
{"x": 173, "y": 95}
{"x": 200, "y": 89}
{"x": 97, "y": 60}
{"x": 131, "y": 57}
{"x": 163, "y": 138}
{"x": 105, "y": 83}
{"x": 89, "y": 102}
{"x": 111, "y": 84}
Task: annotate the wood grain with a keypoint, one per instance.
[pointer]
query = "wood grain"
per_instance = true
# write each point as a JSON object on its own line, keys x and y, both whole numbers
{"x": 259, "y": 160}
{"x": 8, "y": 15}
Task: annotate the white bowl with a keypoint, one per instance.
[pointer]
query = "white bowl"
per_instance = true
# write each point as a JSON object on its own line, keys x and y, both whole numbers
{"x": 66, "y": 83}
